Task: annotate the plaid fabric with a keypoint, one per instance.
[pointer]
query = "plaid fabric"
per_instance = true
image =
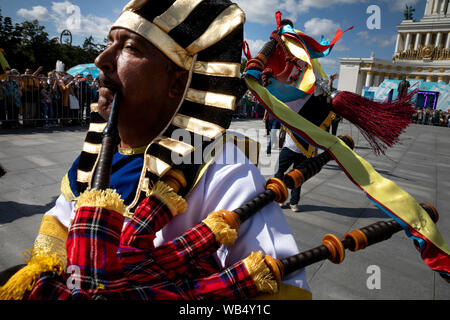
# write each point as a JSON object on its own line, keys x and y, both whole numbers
{"x": 112, "y": 263}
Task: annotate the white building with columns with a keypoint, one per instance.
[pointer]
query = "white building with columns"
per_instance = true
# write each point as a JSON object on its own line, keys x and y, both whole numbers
{"x": 422, "y": 52}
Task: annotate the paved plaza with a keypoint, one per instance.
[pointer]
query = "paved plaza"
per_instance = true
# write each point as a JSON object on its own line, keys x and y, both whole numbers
{"x": 37, "y": 159}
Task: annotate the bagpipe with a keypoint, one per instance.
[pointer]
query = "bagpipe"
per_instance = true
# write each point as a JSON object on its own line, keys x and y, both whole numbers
{"x": 107, "y": 260}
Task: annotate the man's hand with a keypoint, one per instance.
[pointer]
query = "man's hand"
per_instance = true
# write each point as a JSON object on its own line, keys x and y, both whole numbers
{"x": 37, "y": 71}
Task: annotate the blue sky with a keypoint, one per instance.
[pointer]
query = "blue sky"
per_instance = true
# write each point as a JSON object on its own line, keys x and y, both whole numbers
{"x": 315, "y": 17}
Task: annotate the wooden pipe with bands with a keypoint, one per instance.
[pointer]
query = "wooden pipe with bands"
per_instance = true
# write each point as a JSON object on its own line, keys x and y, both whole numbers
{"x": 310, "y": 167}
{"x": 110, "y": 139}
{"x": 333, "y": 249}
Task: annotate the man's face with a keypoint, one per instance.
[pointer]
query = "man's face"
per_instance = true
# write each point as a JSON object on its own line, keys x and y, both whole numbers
{"x": 150, "y": 86}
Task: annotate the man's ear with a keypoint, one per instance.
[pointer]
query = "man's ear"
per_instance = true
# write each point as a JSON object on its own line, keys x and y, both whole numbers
{"x": 179, "y": 81}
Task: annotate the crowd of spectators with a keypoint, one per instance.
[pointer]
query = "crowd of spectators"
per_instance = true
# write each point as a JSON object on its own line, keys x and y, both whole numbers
{"x": 432, "y": 117}
{"x": 248, "y": 107}
{"x": 39, "y": 99}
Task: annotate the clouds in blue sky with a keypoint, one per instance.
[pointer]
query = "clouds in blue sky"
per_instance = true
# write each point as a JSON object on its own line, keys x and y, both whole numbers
{"x": 68, "y": 15}
{"x": 314, "y": 17}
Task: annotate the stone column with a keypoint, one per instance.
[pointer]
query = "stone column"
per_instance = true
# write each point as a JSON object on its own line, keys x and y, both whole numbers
{"x": 437, "y": 44}
{"x": 447, "y": 45}
{"x": 429, "y": 79}
{"x": 397, "y": 45}
{"x": 361, "y": 80}
{"x": 444, "y": 6}
{"x": 418, "y": 41}
{"x": 408, "y": 41}
{"x": 428, "y": 39}
{"x": 428, "y": 7}
{"x": 376, "y": 80}
{"x": 437, "y": 6}
{"x": 382, "y": 77}
{"x": 369, "y": 79}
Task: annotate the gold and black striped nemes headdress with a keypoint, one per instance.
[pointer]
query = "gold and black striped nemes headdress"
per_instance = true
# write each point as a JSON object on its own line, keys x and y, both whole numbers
{"x": 204, "y": 37}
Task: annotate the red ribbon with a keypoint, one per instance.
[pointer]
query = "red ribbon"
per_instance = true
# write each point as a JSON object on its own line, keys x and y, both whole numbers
{"x": 246, "y": 50}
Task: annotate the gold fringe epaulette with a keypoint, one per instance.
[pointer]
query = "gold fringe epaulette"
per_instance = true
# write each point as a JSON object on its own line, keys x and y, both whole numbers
{"x": 107, "y": 199}
{"x": 222, "y": 231}
{"x": 24, "y": 280}
{"x": 172, "y": 200}
{"x": 260, "y": 273}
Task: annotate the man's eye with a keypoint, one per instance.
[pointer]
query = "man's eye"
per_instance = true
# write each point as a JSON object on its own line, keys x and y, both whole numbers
{"x": 130, "y": 47}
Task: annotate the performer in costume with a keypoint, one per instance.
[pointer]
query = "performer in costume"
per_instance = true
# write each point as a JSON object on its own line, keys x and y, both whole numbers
{"x": 186, "y": 56}
{"x": 381, "y": 123}
{"x": 293, "y": 54}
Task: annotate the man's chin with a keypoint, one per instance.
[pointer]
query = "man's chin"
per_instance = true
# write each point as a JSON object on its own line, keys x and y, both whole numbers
{"x": 104, "y": 107}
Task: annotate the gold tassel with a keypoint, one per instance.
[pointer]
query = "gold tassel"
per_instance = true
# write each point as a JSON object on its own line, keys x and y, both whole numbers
{"x": 165, "y": 193}
{"x": 107, "y": 199}
{"x": 223, "y": 232}
{"x": 25, "y": 278}
{"x": 260, "y": 273}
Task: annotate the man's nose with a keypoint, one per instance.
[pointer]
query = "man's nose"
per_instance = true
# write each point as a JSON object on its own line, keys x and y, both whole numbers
{"x": 105, "y": 61}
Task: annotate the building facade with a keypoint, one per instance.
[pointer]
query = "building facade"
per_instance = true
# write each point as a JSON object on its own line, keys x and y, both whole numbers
{"x": 422, "y": 53}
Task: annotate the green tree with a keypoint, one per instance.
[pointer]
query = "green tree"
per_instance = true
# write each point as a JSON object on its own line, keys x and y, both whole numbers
{"x": 27, "y": 45}
{"x": 243, "y": 64}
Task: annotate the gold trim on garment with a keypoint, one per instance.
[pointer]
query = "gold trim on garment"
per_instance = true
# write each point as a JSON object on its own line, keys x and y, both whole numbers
{"x": 203, "y": 128}
{"x": 223, "y": 25}
{"x": 161, "y": 40}
{"x": 66, "y": 190}
{"x": 177, "y": 146}
{"x": 218, "y": 69}
{"x": 134, "y": 5}
{"x": 50, "y": 226}
{"x": 211, "y": 99}
{"x": 52, "y": 238}
{"x": 45, "y": 244}
{"x": 286, "y": 292}
{"x": 94, "y": 107}
{"x": 107, "y": 199}
{"x": 176, "y": 14}
{"x": 97, "y": 127}
{"x": 132, "y": 151}
{"x": 156, "y": 165}
{"x": 91, "y": 148}
{"x": 83, "y": 176}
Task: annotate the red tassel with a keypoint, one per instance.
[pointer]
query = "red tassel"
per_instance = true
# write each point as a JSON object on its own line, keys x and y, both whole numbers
{"x": 380, "y": 123}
